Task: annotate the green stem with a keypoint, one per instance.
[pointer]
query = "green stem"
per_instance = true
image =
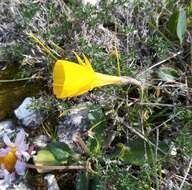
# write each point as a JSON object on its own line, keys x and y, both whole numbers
{"x": 118, "y": 62}
{"x": 45, "y": 47}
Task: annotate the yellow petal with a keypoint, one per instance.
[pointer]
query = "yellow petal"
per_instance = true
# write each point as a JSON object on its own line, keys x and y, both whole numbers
{"x": 80, "y": 61}
{"x": 71, "y": 79}
{"x": 88, "y": 64}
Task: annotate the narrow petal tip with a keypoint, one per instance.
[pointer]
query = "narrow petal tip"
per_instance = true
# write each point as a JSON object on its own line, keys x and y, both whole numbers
{"x": 20, "y": 167}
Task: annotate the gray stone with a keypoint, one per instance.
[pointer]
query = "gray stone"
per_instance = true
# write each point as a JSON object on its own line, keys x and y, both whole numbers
{"x": 41, "y": 141}
{"x": 74, "y": 122}
{"x": 77, "y": 122}
{"x": 28, "y": 117}
{"x": 3, "y": 185}
{"x": 6, "y": 126}
{"x": 21, "y": 186}
{"x": 91, "y": 2}
{"x": 15, "y": 185}
{"x": 51, "y": 182}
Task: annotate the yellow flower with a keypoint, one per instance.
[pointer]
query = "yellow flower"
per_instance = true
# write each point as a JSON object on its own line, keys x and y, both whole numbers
{"x": 73, "y": 79}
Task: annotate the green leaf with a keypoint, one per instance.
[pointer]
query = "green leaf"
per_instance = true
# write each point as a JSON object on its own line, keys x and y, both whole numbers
{"x": 45, "y": 157}
{"x": 86, "y": 182}
{"x": 172, "y": 24}
{"x": 189, "y": 9}
{"x": 168, "y": 74}
{"x": 94, "y": 145}
{"x": 96, "y": 115}
{"x": 61, "y": 151}
{"x": 181, "y": 25}
{"x": 82, "y": 182}
{"x": 98, "y": 125}
{"x": 134, "y": 152}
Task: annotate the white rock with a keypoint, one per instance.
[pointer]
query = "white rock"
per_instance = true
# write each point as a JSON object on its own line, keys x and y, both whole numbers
{"x": 51, "y": 182}
{"x": 3, "y": 185}
{"x": 173, "y": 150}
{"x": 20, "y": 186}
{"x": 16, "y": 185}
{"x": 92, "y": 2}
{"x": 41, "y": 141}
{"x": 7, "y": 127}
{"x": 7, "y": 124}
{"x": 29, "y": 118}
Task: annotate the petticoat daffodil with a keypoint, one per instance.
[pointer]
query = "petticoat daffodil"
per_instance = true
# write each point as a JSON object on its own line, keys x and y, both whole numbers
{"x": 73, "y": 79}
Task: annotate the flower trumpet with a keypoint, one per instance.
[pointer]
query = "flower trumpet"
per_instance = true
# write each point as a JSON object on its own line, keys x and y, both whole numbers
{"x": 73, "y": 79}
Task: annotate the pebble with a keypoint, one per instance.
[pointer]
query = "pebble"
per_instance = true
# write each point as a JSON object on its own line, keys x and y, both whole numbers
{"x": 29, "y": 118}
{"x": 71, "y": 124}
{"x": 6, "y": 126}
{"x": 91, "y": 2}
{"x": 51, "y": 182}
{"x": 76, "y": 122}
{"x": 41, "y": 141}
{"x": 19, "y": 185}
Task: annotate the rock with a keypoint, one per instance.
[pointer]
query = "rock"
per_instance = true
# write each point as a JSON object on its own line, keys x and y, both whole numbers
{"x": 71, "y": 124}
{"x": 28, "y": 117}
{"x": 41, "y": 141}
{"x": 77, "y": 117}
{"x": 78, "y": 121}
{"x": 91, "y": 2}
{"x": 51, "y": 182}
{"x": 7, "y": 127}
{"x": 3, "y": 185}
{"x": 16, "y": 185}
{"x": 21, "y": 185}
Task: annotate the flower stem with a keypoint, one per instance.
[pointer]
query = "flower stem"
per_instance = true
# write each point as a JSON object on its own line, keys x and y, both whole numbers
{"x": 129, "y": 80}
{"x": 118, "y": 62}
{"x": 47, "y": 167}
